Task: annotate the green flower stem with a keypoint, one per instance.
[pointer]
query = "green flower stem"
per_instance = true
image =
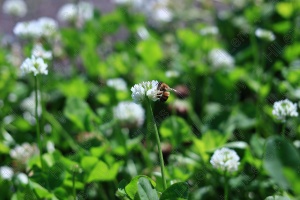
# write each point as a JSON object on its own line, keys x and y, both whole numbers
{"x": 38, "y": 133}
{"x": 73, "y": 184}
{"x": 226, "y": 186}
{"x": 161, "y": 159}
{"x": 283, "y": 129}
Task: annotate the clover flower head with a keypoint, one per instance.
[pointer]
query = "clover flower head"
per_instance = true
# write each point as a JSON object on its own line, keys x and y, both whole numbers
{"x": 67, "y": 13}
{"x": 39, "y": 51}
{"x": 129, "y": 114}
{"x": 48, "y": 26}
{"x": 43, "y": 27}
{"x": 22, "y": 153}
{"x": 265, "y": 34}
{"x": 85, "y": 10}
{"x": 172, "y": 74}
{"x": 143, "y": 33}
{"x": 16, "y": 8}
{"x": 22, "y": 178}
{"x": 209, "y": 30}
{"x": 283, "y": 109}
{"x": 162, "y": 14}
{"x": 225, "y": 159}
{"x": 145, "y": 89}
{"x": 35, "y": 65}
{"x": 117, "y": 83}
{"x": 220, "y": 58}
{"x": 70, "y": 12}
{"x": 6, "y": 172}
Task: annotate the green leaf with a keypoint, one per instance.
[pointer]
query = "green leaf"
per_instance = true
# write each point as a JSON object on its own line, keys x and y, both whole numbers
{"x": 88, "y": 162}
{"x": 176, "y": 191}
{"x": 121, "y": 190}
{"x": 132, "y": 187}
{"x": 79, "y": 112}
{"x": 145, "y": 190}
{"x": 176, "y": 129}
{"x": 188, "y": 38}
{"x": 150, "y": 51}
{"x": 280, "y": 160}
{"x": 237, "y": 144}
{"x": 40, "y": 191}
{"x": 101, "y": 172}
{"x": 74, "y": 88}
{"x": 285, "y": 9}
{"x": 277, "y": 198}
{"x": 56, "y": 175}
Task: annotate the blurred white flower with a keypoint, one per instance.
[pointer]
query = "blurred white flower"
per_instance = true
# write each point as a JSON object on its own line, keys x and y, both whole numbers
{"x": 22, "y": 153}
{"x": 85, "y": 10}
{"x": 7, "y": 139}
{"x": 265, "y": 34}
{"x": 35, "y": 65}
{"x": 145, "y": 89}
{"x": 50, "y": 146}
{"x": 39, "y": 51}
{"x": 225, "y": 159}
{"x": 220, "y": 58}
{"x": 28, "y": 104}
{"x": 121, "y": 2}
{"x": 43, "y": 27}
{"x": 67, "y": 13}
{"x": 143, "y": 33}
{"x": 172, "y": 74}
{"x": 48, "y": 26}
{"x": 117, "y": 83}
{"x": 129, "y": 114}
{"x": 27, "y": 29}
{"x": 209, "y": 30}
{"x": 22, "y": 178}
{"x": 6, "y": 173}
{"x": 283, "y": 109}
{"x": 162, "y": 14}
{"x": 80, "y": 13}
{"x": 16, "y": 8}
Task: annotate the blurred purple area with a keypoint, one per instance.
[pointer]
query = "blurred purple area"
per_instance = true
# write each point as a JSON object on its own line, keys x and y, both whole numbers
{"x": 44, "y": 8}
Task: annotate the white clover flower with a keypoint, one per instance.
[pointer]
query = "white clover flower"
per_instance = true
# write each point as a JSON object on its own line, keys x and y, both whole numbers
{"x": 145, "y": 89}
{"x": 85, "y": 10}
{"x": 117, "y": 83}
{"x": 172, "y": 74}
{"x": 81, "y": 12}
{"x": 129, "y": 114}
{"x": 50, "y": 146}
{"x": 220, "y": 58}
{"x": 210, "y": 30}
{"x": 6, "y": 173}
{"x": 121, "y": 2}
{"x": 162, "y": 14}
{"x": 22, "y": 153}
{"x": 28, "y": 104}
{"x": 39, "y": 51}
{"x": 22, "y": 178}
{"x": 48, "y": 26}
{"x": 43, "y": 27}
{"x": 265, "y": 34}
{"x": 16, "y": 8}
{"x": 225, "y": 159}
{"x": 283, "y": 109}
{"x": 35, "y": 65}
{"x": 143, "y": 33}
{"x": 67, "y": 13}
{"x": 27, "y": 29}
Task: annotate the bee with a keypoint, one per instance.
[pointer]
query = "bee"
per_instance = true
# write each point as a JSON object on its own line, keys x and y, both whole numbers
{"x": 163, "y": 91}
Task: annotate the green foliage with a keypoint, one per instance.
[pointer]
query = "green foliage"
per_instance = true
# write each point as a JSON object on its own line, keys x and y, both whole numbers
{"x": 89, "y": 153}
